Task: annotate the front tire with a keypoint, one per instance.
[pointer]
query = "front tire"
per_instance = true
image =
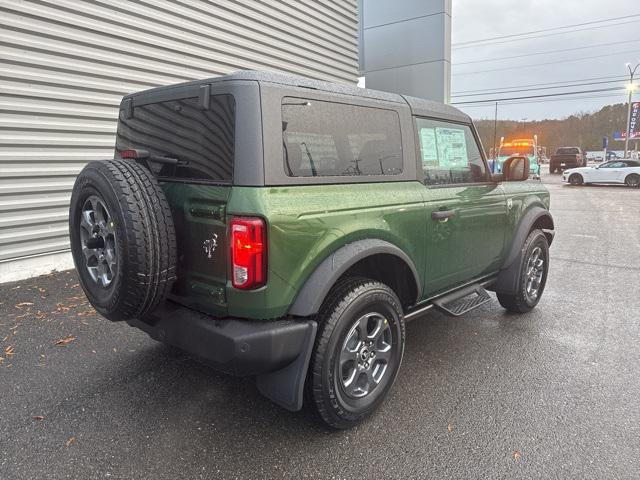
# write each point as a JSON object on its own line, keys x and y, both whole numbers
{"x": 576, "y": 179}
{"x": 632, "y": 180}
{"x": 358, "y": 351}
{"x": 534, "y": 268}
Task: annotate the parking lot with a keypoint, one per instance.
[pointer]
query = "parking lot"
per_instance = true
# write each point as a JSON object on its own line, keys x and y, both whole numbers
{"x": 550, "y": 394}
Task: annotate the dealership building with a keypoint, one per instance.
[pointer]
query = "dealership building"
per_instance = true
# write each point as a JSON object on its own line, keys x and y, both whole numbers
{"x": 67, "y": 63}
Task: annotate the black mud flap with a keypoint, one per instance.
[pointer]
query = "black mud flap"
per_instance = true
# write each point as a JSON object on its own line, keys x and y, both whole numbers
{"x": 285, "y": 387}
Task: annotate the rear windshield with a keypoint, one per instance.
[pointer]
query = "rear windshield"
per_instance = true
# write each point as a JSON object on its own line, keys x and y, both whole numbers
{"x": 202, "y": 140}
{"x": 334, "y": 139}
{"x": 568, "y": 151}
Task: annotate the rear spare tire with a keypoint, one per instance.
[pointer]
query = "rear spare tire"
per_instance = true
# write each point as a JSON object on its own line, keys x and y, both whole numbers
{"x": 122, "y": 238}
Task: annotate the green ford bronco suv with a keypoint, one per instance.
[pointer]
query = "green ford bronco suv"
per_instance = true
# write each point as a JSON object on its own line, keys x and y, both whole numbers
{"x": 287, "y": 228}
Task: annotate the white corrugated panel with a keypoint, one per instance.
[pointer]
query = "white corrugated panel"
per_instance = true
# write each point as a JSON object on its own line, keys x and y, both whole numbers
{"x": 65, "y": 64}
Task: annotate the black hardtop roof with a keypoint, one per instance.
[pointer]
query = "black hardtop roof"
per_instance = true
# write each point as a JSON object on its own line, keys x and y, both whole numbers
{"x": 418, "y": 106}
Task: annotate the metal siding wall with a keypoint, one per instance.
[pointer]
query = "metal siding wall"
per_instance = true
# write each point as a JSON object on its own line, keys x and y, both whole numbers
{"x": 65, "y": 64}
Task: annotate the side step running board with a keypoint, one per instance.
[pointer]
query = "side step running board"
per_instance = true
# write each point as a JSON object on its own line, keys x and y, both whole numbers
{"x": 462, "y": 301}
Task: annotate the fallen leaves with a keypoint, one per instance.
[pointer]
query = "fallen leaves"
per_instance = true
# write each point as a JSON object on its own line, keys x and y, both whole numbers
{"x": 65, "y": 341}
{"x": 70, "y": 442}
{"x": 61, "y": 307}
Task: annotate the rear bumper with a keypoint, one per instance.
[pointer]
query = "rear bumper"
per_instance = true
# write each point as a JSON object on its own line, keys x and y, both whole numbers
{"x": 235, "y": 346}
{"x": 566, "y": 165}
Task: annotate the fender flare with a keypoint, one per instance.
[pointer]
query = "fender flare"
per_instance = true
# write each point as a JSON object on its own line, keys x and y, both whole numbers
{"x": 510, "y": 271}
{"x": 316, "y": 287}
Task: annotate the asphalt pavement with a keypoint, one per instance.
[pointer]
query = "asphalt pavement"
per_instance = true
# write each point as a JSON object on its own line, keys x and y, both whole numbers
{"x": 550, "y": 394}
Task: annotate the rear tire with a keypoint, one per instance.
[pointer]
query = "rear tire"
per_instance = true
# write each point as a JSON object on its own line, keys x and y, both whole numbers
{"x": 358, "y": 351}
{"x": 122, "y": 238}
{"x": 534, "y": 268}
{"x": 576, "y": 179}
{"x": 632, "y": 180}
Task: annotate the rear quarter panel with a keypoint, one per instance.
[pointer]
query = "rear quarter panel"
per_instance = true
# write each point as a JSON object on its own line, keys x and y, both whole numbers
{"x": 307, "y": 223}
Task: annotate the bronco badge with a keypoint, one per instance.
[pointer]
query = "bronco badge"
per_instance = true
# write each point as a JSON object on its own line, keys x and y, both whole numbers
{"x": 209, "y": 245}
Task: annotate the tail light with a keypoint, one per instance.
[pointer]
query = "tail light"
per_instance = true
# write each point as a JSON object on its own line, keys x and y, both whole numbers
{"x": 248, "y": 252}
{"x": 136, "y": 154}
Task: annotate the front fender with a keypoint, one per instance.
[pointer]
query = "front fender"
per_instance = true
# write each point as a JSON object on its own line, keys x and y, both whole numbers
{"x": 510, "y": 271}
{"x": 315, "y": 289}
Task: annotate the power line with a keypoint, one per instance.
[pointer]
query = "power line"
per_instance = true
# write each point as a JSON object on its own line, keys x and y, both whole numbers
{"x": 494, "y": 100}
{"x": 537, "y": 88}
{"x": 513, "y": 67}
{"x": 488, "y": 105}
{"x": 545, "y": 30}
{"x": 544, "y": 53}
{"x": 543, "y": 35}
{"x": 538, "y": 100}
{"x": 618, "y": 77}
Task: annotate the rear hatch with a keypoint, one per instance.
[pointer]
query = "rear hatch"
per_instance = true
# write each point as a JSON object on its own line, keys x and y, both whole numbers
{"x": 198, "y": 133}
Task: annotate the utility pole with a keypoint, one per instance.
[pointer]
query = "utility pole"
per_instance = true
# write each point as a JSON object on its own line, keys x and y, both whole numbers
{"x": 495, "y": 131}
{"x": 630, "y": 88}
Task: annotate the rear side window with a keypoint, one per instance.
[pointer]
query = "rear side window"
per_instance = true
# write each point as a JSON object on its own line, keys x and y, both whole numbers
{"x": 449, "y": 153}
{"x": 203, "y": 140}
{"x": 333, "y": 139}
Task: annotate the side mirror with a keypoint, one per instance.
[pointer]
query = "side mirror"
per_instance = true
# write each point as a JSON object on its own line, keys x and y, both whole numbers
{"x": 516, "y": 169}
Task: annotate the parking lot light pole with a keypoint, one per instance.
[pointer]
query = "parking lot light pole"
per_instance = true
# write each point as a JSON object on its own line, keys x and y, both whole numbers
{"x": 630, "y": 88}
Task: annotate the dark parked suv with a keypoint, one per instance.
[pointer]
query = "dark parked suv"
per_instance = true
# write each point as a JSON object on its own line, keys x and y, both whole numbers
{"x": 566, "y": 158}
{"x": 287, "y": 228}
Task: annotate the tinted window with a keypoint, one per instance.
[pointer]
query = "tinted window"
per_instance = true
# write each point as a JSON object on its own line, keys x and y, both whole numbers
{"x": 202, "y": 139}
{"x": 614, "y": 165}
{"x": 449, "y": 153}
{"x": 333, "y": 139}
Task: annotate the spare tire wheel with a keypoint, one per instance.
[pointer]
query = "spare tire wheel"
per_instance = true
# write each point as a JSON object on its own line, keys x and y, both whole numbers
{"x": 122, "y": 238}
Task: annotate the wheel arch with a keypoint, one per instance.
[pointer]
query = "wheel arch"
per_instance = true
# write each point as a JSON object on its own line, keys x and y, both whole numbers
{"x": 632, "y": 174}
{"x": 536, "y": 217}
{"x": 372, "y": 258}
{"x": 576, "y": 174}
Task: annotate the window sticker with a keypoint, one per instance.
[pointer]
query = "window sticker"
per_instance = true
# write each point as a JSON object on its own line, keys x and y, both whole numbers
{"x": 428, "y": 147}
{"x": 452, "y": 147}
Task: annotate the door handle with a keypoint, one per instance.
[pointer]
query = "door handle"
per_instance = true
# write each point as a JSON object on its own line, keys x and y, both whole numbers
{"x": 442, "y": 215}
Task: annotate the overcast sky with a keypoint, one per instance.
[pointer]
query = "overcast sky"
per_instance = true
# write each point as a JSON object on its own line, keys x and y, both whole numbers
{"x": 481, "y": 19}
